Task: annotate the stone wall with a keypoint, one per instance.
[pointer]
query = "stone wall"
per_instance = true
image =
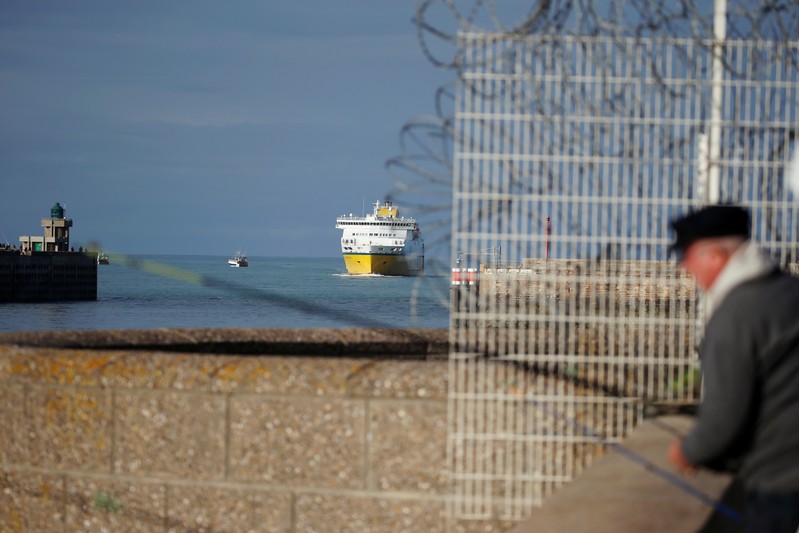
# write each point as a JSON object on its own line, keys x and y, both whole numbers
{"x": 225, "y": 430}
{"x": 618, "y": 281}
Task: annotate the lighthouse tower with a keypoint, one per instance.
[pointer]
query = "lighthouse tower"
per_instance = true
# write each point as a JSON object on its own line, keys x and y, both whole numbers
{"x": 56, "y": 230}
{"x": 56, "y": 233}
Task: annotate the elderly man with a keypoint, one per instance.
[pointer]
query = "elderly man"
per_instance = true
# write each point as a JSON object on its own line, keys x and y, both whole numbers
{"x": 748, "y": 422}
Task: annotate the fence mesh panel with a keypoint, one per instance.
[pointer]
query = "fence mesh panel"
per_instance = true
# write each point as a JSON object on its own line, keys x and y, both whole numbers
{"x": 571, "y": 155}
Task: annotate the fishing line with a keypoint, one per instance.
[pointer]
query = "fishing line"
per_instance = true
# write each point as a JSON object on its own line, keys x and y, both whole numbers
{"x": 645, "y": 463}
{"x": 652, "y": 409}
{"x": 343, "y": 316}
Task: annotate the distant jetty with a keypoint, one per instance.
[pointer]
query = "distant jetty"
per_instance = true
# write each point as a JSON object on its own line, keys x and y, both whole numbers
{"x": 45, "y": 269}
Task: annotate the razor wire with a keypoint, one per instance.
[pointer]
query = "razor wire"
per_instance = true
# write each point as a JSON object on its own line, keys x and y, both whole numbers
{"x": 577, "y": 130}
{"x": 422, "y": 172}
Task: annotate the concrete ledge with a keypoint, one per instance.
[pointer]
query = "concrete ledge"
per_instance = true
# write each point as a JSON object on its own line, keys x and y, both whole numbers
{"x": 352, "y": 342}
{"x": 618, "y": 495}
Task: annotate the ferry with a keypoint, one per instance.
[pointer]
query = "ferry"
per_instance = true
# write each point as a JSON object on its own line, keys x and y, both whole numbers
{"x": 238, "y": 260}
{"x": 381, "y": 243}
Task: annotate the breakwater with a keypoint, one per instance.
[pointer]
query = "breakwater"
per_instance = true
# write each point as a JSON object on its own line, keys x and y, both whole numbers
{"x": 47, "y": 276}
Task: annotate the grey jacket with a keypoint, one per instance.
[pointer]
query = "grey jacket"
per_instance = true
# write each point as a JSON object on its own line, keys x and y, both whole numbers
{"x": 749, "y": 418}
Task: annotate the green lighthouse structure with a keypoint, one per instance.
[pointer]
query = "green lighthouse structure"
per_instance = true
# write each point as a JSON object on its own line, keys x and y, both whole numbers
{"x": 45, "y": 269}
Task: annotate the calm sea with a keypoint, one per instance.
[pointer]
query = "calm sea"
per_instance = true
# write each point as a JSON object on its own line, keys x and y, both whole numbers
{"x": 203, "y": 291}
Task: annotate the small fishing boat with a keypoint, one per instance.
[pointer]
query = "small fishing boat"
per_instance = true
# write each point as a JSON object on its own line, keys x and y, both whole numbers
{"x": 102, "y": 258}
{"x": 238, "y": 260}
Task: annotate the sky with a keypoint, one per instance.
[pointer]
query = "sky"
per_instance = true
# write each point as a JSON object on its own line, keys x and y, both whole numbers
{"x": 204, "y": 127}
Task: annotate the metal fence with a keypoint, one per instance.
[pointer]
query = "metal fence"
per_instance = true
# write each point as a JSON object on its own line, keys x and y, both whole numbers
{"x": 571, "y": 155}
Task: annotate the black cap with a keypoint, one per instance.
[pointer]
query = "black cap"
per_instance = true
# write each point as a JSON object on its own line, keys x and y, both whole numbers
{"x": 709, "y": 222}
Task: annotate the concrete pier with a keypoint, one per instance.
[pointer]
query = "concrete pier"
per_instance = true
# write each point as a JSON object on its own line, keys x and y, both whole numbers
{"x": 47, "y": 277}
{"x": 45, "y": 269}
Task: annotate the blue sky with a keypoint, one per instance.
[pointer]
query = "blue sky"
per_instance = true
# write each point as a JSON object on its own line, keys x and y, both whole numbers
{"x": 204, "y": 127}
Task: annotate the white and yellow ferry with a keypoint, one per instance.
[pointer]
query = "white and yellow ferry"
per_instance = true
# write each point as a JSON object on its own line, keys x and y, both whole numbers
{"x": 381, "y": 243}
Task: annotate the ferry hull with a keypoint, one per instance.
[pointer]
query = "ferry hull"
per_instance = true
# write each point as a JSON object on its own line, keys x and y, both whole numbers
{"x": 386, "y": 265}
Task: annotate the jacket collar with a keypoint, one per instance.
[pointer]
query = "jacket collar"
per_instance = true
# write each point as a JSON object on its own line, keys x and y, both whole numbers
{"x": 747, "y": 262}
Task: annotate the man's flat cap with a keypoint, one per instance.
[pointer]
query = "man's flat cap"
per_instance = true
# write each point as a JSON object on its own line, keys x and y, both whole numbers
{"x": 709, "y": 222}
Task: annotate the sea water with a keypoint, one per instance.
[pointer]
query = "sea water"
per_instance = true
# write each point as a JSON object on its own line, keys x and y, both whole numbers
{"x": 205, "y": 292}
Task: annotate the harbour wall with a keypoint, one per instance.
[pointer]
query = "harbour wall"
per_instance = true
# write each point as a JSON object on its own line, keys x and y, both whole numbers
{"x": 47, "y": 276}
{"x": 225, "y": 430}
{"x": 611, "y": 282}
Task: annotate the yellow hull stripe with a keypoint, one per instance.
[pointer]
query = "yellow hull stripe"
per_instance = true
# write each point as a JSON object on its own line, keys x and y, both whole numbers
{"x": 387, "y": 265}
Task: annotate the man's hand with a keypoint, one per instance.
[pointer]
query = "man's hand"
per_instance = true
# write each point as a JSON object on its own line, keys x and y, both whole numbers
{"x": 678, "y": 459}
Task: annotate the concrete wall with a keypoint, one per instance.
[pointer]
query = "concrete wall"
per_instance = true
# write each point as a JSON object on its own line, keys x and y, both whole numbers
{"x": 47, "y": 276}
{"x": 225, "y": 430}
